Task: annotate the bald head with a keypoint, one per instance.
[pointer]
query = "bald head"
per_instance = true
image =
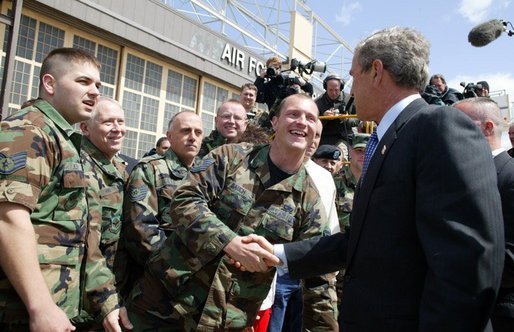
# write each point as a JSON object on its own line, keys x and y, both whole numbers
{"x": 486, "y": 113}
{"x": 185, "y": 133}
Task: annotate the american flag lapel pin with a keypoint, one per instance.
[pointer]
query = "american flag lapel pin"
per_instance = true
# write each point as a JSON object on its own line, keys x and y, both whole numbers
{"x": 383, "y": 150}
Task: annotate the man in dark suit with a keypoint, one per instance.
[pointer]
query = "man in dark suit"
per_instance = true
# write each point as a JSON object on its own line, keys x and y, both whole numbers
{"x": 487, "y": 115}
{"x": 425, "y": 248}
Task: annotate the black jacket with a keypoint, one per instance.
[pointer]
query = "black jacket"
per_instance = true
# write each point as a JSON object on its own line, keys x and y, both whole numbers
{"x": 334, "y": 130}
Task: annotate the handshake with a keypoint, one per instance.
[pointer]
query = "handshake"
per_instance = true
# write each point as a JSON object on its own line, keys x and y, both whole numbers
{"x": 252, "y": 253}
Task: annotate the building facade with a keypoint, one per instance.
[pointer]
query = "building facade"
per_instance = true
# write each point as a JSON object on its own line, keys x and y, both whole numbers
{"x": 155, "y": 61}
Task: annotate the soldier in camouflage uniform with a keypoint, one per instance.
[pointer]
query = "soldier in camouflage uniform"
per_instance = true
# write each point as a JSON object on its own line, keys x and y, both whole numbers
{"x": 105, "y": 175}
{"x": 239, "y": 189}
{"x": 230, "y": 122}
{"x": 147, "y": 221}
{"x": 346, "y": 180}
{"x": 248, "y": 97}
{"x": 43, "y": 197}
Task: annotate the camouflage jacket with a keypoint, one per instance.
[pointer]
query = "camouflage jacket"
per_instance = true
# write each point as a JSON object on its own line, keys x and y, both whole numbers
{"x": 40, "y": 168}
{"x": 147, "y": 221}
{"x": 211, "y": 142}
{"x": 345, "y": 187}
{"x": 190, "y": 279}
{"x": 105, "y": 180}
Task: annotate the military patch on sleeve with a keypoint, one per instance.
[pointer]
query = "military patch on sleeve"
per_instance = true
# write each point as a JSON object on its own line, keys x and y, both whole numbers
{"x": 202, "y": 165}
{"x": 10, "y": 164}
{"x": 137, "y": 193}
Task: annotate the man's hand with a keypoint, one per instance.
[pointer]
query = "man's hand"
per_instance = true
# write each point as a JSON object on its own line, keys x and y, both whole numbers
{"x": 261, "y": 241}
{"x": 111, "y": 322}
{"x": 250, "y": 255}
{"x": 51, "y": 319}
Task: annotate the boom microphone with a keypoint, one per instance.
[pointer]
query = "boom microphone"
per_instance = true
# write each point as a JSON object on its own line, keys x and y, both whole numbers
{"x": 485, "y": 33}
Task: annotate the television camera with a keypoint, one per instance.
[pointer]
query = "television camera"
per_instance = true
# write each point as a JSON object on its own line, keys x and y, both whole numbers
{"x": 291, "y": 80}
{"x": 470, "y": 89}
{"x": 299, "y": 66}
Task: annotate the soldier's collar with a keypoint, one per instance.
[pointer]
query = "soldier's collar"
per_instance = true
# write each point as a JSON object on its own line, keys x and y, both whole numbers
{"x": 55, "y": 116}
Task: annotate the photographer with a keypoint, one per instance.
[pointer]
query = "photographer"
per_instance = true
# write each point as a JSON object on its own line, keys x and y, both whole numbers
{"x": 439, "y": 93}
{"x": 272, "y": 84}
{"x": 332, "y": 102}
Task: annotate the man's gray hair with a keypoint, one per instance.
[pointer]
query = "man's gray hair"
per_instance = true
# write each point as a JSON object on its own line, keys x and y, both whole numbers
{"x": 404, "y": 53}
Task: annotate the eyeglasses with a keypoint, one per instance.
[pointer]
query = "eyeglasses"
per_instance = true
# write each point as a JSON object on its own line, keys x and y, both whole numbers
{"x": 229, "y": 116}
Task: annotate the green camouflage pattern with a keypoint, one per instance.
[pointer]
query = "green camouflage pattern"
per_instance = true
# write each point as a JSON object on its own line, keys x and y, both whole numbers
{"x": 189, "y": 285}
{"x": 346, "y": 185}
{"x": 211, "y": 142}
{"x": 360, "y": 140}
{"x": 345, "y": 188}
{"x": 105, "y": 181}
{"x": 147, "y": 220}
{"x": 40, "y": 168}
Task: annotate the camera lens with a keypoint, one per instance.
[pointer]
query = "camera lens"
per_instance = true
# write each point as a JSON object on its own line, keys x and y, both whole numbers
{"x": 271, "y": 72}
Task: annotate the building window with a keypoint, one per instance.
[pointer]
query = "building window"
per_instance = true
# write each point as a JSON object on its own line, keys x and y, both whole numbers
{"x": 26, "y": 38}
{"x": 132, "y": 106}
{"x": 36, "y": 39}
{"x": 153, "y": 77}
{"x": 21, "y": 82}
{"x": 180, "y": 95}
{"x": 49, "y": 37}
{"x": 142, "y": 100}
{"x": 134, "y": 73}
{"x": 108, "y": 59}
{"x": 213, "y": 97}
{"x": 145, "y": 143}
{"x": 129, "y": 147}
{"x": 149, "y": 115}
{"x": 189, "y": 92}
{"x": 169, "y": 111}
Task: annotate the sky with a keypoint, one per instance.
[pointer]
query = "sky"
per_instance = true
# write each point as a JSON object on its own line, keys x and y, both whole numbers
{"x": 445, "y": 23}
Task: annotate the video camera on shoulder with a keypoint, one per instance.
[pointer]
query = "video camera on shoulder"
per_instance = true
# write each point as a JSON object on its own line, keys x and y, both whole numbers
{"x": 470, "y": 89}
{"x": 308, "y": 67}
{"x": 272, "y": 72}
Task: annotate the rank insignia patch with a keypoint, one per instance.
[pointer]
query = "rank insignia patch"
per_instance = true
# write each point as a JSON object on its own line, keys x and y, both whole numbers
{"x": 202, "y": 165}
{"x": 10, "y": 164}
{"x": 137, "y": 193}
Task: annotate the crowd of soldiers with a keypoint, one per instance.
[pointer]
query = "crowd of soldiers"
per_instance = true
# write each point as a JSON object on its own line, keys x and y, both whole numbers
{"x": 87, "y": 245}
{"x": 107, "y": 238}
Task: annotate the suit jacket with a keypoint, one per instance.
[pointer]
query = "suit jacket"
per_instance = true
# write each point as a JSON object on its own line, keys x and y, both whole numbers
{"x": 505, "y": 171}
{"x": 425, "y": 248}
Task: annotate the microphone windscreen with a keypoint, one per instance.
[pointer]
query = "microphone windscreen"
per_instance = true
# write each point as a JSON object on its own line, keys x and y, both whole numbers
{"x": 485, "y": 33}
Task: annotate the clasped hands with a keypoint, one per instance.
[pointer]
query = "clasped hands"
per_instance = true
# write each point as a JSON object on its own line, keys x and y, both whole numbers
{"x": 252, "y": 253}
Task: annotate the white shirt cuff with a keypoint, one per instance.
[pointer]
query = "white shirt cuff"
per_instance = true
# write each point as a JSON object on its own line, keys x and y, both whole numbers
{"x": 278, "y": 250}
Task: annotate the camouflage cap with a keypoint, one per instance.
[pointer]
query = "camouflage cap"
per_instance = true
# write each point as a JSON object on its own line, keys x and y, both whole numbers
{"x": 360, "y": 140}
{"x": 327, "y": 151}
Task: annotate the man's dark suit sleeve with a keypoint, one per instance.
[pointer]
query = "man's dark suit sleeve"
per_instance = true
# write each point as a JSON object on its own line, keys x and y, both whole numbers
{"x": 315, "y": 256}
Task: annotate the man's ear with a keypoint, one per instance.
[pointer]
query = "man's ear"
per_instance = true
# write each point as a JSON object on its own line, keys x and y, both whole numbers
{"x": 378, "y": 68}
{"x": 274, "y": 121}
{"x": 488, "y": 128}
{"x": 48, "y": 83}
{"x": 84, "y": 129}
